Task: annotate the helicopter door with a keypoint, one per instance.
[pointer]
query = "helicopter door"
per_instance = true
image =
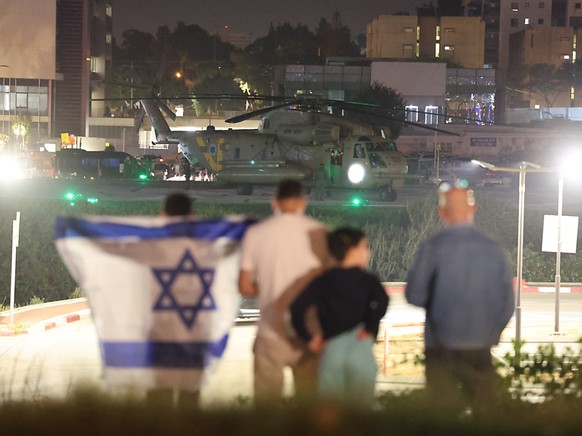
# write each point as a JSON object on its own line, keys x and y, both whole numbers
{"x": 359, "y": 151}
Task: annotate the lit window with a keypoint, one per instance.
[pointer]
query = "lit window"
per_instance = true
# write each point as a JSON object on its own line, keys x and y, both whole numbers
{"x": 565, "y": 56}
{"x": 108, "y": 38}
{"x": 108, "y": 10}
{"x": 450, "y": 30}
{"x": 526, "y": 21}
{"x": 515, "y": 7}
{"x": 449, "y": 48}
{"x": 412, "y": 114}
{"x": 408, "y": 29}
{"x": 431, "y": 115}
{"x": 93, "y": 64}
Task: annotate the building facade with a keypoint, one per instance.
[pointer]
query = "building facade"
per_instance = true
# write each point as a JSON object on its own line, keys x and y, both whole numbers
{"x": 456, "y": 39}
{"x": 53, "y": 71}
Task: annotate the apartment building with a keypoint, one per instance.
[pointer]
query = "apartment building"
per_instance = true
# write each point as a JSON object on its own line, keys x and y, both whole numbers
{"x": 53, "y": 67}
{"x": 459, "y": 40}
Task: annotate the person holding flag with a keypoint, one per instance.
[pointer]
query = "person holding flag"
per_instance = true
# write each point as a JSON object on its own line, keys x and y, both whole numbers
{"x": 162, "y": 293}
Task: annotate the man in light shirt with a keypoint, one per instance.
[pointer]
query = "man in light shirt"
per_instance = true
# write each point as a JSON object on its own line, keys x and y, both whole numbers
{"x": 280, "y": 255}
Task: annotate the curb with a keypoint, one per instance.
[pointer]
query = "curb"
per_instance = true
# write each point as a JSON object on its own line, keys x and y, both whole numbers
{"x": 48, "y": 324}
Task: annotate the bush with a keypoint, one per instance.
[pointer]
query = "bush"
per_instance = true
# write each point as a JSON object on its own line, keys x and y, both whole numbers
{"x": 394, "y": 235}
{"x": 93, "y": 413}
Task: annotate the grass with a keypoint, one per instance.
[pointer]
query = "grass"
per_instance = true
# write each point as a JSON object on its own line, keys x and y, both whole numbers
{"x": 90, "y": 412}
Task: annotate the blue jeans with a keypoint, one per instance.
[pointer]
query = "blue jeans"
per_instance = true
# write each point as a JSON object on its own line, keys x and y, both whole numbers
{"x": 347, "y": 370}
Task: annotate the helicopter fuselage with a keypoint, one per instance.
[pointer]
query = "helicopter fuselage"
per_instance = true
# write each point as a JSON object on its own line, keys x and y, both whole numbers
{"x": 292, "y": 143}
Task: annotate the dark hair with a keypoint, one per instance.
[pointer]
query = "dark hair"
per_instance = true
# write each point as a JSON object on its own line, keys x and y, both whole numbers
{"x": 341, "y": 240}
{"x": 177, "y": 204}
{"x": 289, "y": 189}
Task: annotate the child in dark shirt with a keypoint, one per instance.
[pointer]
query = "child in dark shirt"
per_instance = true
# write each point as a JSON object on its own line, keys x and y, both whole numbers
{"x": 350, "y": 303}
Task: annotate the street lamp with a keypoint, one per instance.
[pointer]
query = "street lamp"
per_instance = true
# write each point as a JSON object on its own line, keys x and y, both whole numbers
{"x": 567, "y": 165}
{"x": 559, "y": 249}
{"x": 524, "y": 167}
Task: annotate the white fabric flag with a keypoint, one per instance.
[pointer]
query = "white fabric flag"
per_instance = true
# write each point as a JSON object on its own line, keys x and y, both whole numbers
{"x": 162, "y": 292}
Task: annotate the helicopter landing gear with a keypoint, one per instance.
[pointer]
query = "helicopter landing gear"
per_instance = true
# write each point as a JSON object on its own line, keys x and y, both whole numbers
{"x": 244, "y": 189}
{"x": 387, "y": 194}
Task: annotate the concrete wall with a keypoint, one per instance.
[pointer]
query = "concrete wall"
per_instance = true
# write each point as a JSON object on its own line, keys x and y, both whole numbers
{"x": 420, "y": 83}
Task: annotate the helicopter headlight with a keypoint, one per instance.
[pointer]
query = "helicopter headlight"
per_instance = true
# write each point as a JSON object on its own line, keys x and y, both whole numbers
{"x": 356, "y": 173}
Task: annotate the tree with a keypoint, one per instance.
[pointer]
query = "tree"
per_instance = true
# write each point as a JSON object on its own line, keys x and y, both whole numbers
{"x": 258, "y": 76}
{"x": 137, "y": 45}
{"x": 286, "y": 44}
{"x": 390, "y": 112}
{"x": 219, "y": 85}
{"x": 545, "y": 81}
{"x": 334, "y": 39}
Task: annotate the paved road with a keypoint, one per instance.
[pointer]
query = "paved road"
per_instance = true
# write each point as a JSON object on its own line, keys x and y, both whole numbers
{"x": 51, "y": 363}
{"x": 157, "y": 190}
{"x": 541, "y": 193}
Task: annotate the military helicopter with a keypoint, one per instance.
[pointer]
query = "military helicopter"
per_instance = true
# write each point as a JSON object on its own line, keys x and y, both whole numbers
{"x": 293, "y": 139}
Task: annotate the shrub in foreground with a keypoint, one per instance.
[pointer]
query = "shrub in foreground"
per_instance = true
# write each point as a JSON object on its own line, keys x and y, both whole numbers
{"x": 92, "y": 413}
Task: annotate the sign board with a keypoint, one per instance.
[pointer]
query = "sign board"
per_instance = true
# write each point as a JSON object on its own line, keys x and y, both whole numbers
{"x": 568, "y": 232}
{"x": 483, "y": 142}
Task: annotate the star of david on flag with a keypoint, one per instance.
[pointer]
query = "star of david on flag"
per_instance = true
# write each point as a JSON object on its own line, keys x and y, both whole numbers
{"x": 168, "y": 300}
{"x": 162, "y": 292}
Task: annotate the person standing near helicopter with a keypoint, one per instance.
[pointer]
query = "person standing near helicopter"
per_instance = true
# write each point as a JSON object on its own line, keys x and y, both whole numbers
{"x": 321, "y": 178}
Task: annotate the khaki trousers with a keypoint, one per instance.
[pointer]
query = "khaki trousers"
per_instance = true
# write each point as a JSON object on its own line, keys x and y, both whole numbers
{"x": 272, "y": 355}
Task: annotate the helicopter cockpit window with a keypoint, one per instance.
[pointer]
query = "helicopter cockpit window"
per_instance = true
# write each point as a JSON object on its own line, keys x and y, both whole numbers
{"x": 392, "y": 146}
{"x": 376, "y": 160}
{"x": 359, "y": 151}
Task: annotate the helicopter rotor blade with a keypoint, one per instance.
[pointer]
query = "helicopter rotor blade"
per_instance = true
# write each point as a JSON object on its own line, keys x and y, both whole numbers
{"x": 139, "y": 118}
{"x": 257, "y": 112}
{"x": 164, "y": 107}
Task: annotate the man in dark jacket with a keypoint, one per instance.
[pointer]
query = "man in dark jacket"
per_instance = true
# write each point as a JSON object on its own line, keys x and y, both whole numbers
{"x": 462, "y": 278}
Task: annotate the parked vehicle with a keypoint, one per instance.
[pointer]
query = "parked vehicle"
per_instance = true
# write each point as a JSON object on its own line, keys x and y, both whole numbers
{"x": 83, "y": 164}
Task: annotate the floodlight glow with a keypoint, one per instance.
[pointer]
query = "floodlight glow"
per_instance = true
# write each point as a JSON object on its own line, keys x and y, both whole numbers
{"x": 11, "y": 168}
{"x": 570, "y": 164}
{"x": 356, "y": 173}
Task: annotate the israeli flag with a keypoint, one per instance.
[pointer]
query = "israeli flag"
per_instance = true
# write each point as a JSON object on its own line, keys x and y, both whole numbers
{"x": 162, "y": 292}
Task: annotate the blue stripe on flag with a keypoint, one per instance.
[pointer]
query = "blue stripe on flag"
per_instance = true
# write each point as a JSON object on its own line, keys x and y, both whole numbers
{"x": 211, "y": 229}
{"x": 192, "y": 355}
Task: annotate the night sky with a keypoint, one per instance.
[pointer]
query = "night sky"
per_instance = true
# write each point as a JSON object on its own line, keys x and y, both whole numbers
{"x": 255, "y": 17}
